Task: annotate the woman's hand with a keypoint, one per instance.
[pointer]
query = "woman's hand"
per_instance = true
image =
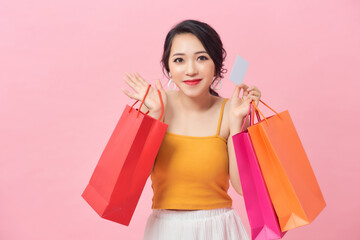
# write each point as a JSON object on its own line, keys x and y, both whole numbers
{"x": 152, "y": 100}
{"x": 239, "y": 106}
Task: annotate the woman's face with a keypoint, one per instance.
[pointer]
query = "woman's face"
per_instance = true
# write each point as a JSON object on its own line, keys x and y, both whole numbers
{"x": 189, "y": 60}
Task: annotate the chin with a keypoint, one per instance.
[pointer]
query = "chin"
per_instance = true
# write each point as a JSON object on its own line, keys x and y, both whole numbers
{"x": 194, "y": 92}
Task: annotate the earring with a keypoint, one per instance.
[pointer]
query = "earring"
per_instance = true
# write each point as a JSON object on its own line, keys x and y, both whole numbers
{"x": 169, "y": 74}
{"x": 218, "y": 82}
{"x": 169, "y": 83}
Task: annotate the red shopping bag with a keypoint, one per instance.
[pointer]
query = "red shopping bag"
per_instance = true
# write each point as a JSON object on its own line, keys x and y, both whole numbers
{"x": 125, "y": 164}
{"x": 290, "y": 180}
{"x": 260, "y": 211}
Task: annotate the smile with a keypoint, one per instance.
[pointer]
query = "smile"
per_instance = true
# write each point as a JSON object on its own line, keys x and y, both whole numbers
{"x": 192, "y": 82}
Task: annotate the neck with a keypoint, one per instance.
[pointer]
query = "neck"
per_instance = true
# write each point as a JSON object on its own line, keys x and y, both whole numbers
{"x": 196, "y": 104}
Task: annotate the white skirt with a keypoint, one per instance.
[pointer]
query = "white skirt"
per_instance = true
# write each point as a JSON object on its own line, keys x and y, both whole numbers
{"x": 213, "y": 224}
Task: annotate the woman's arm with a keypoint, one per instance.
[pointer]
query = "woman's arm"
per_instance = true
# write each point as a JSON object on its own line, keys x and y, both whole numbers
{"x": 238, "y": 109}
{"x": 233, "y": 168}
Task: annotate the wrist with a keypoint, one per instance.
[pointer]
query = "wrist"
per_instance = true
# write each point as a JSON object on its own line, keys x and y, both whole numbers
{"x": 156, "y": 114}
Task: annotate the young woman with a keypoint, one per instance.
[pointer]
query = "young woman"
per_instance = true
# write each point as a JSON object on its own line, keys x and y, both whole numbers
{"x": 190, "y": 176}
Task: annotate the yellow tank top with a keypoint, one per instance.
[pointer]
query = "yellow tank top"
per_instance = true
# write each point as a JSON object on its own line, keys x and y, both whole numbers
{"x": 192, "y": 172}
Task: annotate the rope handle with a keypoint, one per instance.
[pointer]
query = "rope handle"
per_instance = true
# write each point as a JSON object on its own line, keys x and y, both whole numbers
{"x": 269, "y": 107}
{"x": 143, "y": 100}
{"x": 247, "y": 115}
{"x": 258, "y": 111}
{"x": 251, "y": 117}
{"x": 254, "y": 110}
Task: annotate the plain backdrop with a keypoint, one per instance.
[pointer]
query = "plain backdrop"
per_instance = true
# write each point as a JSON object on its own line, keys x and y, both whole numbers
{"x": 61, "y": 69}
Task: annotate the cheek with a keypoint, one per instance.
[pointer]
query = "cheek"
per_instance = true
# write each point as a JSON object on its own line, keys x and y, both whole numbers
{"x": 176, "y": 73}
{"x": 209, "y": 68}
{"x": 213, "y": 70}
{"x": 173, "y": 67}
{"x": 177, "y": 70}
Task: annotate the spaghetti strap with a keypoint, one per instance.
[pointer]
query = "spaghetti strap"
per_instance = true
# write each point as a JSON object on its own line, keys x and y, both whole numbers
{"x": 220, "y": 117}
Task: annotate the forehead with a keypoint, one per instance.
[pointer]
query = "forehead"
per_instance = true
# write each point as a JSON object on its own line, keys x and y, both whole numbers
{"x": 186, "y": 43}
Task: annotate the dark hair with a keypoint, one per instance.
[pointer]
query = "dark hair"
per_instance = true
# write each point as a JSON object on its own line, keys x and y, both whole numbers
{"x": 209, "y": 39}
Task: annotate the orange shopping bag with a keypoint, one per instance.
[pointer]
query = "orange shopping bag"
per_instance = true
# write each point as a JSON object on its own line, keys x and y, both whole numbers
{"x": 290, "y": 180}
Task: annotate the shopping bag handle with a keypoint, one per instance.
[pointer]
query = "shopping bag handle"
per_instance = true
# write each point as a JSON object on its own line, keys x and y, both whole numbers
{"x": 143, "y": 100}
{"x": 251, "y": 117}
{"x": 247, "y": 115}
{"x": 257, "y": 110}
{"x": 254, "y": 110}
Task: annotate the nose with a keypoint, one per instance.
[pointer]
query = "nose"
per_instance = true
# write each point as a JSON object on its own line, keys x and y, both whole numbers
{"x": 191, "y": 68}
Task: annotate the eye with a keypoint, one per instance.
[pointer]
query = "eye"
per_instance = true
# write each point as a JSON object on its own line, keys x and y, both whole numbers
{"x": 203, "y": 57}
{"x": 178, "y": 59}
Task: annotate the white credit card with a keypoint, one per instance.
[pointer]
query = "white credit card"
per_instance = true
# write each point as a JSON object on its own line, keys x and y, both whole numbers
{"x": 239, "y": 69}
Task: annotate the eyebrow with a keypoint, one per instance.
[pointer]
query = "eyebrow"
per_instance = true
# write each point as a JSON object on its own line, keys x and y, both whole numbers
{"x": 184, "y": 54}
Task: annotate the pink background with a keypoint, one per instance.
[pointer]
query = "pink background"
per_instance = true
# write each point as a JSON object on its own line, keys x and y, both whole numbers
{"x": 61, "y": 71}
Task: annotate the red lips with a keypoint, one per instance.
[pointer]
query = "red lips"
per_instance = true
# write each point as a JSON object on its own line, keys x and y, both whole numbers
{"x": 192, "y": 82}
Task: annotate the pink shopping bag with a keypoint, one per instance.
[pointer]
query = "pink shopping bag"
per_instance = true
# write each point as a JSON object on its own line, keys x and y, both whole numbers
{"x": 260, "y": 211}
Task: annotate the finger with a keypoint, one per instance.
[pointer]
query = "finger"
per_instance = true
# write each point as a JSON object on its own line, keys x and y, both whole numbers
{"x": 249, "y": 95}
{"x": 255, "y": 99}
{"x": 255, "y": 93}
{"x": 245, "y": 93}
{"x": 243, "y": 86}
{"x": 158, "y": 85}
{"x": 236, "y": 92}
{"x": 129, "y": 94}
{"x": 141, "y": 79}
{"x": 254, "y": 89}
{"x": 134, "y": 79}
{"x": 131, "y": 83}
